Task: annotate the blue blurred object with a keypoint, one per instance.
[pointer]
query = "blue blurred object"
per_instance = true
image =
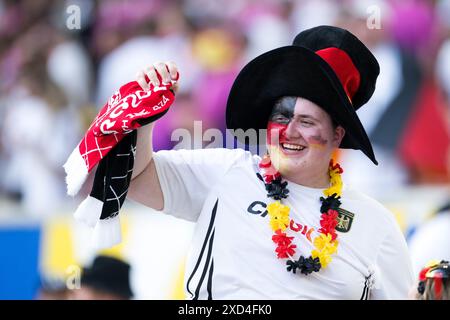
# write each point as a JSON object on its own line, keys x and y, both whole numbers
{"x": 19, "y": 269}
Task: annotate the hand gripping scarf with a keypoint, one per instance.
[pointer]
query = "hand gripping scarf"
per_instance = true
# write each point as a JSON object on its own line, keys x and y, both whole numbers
{"x": 110, "y": 143}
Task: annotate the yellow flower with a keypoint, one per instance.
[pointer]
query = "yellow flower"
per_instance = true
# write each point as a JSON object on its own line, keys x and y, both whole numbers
{"x": 333, "y": 190}
{"x": 336, "y": 184}
{"x": 324, "y": 257}
{"x": 279, "y": 215}
{"x": 324, "y": 248}
{"x": 278, "y": 209}
{"x": 276, "y": 224}
{"x": 324, "y": 243}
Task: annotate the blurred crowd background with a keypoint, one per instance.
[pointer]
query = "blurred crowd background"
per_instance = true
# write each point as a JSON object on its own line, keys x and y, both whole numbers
{"x": 61, "y": 60}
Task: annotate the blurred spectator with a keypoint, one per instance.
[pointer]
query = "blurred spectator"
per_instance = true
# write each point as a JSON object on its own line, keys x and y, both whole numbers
{"x": 304, "y": 13}
{"x": 52, "y": 288}
{"x": 144, "y": 38}
{"x": 405, "y": 113}
{"x": 219, "y": 51}
{"x": 392, "y": 88}
{"x": 431, "y": 239}
{"x": 75, "y": 79}
{"x": 434, "y": 281}
{"x": 108, "y": 278}
{"x": 160, "y": 32}
{"x": 266, "y": 26}
{"x": 36, "y": 109}
{"x": 182, "y": 116}
{"x": 417, "y": 29}
{"x": 443, "y": 66}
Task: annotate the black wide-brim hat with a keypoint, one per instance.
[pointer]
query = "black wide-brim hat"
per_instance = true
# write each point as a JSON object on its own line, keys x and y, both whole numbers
{"x": 297, "y": 70}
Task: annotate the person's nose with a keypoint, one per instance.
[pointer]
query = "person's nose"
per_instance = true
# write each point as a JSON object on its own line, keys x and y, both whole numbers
{"x": 291, "y": 131}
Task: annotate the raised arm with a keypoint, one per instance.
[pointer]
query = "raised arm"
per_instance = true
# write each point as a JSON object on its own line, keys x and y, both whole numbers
{"x": 145, "y": 187}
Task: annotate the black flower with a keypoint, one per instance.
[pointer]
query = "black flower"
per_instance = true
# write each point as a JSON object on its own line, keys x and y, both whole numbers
{"x": 292, "y": 266}
{"x": 277, "y": 189}
{"x": 332, "y": 202}
{"x": 309, "y": 265}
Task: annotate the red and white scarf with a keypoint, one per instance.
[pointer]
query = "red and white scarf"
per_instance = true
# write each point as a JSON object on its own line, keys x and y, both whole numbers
{"x": 110, "y": 143}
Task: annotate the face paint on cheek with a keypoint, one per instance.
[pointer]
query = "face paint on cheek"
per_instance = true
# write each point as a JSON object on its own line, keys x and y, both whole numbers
{"x": 275, "y": 132}
{"x": 283, "y": 110}
{"x": 277, "y": 158}
{"x": 316, "y": 141}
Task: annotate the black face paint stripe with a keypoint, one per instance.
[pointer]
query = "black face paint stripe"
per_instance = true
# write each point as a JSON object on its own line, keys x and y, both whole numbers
{"x": 283, "y": 108}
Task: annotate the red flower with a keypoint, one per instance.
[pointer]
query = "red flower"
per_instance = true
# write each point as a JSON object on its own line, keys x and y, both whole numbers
{"x": 265, "y": 162}
{"x": 329, "y": 219}
{"x": 281, "y": 239}
{"x": 285, "y": 251}
{"x": 336, "y": 166}
{"x": 332, "y": 232}
{"x": 270, "y": 174}
{"x": 329, "y": 222}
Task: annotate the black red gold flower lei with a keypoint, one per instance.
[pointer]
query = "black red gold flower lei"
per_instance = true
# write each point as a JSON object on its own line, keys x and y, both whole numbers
{"x": 326, "y": 243}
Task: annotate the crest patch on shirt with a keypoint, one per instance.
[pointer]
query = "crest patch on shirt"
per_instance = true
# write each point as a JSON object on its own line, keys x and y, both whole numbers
{"x": 345, "y": 220}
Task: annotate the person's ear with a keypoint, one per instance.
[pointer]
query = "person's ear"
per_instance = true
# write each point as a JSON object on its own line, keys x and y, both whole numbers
{"x": 339, "y": 134}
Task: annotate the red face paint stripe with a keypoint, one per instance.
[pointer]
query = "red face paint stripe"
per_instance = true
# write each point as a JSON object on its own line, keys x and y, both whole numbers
{"x": 275, "y": 132}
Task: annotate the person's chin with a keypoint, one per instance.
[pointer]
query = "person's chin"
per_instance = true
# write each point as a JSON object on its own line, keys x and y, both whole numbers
{"x": 291, "y": 166}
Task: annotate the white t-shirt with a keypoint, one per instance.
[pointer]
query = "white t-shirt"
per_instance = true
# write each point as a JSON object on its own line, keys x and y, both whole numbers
{"x": 233, "y": 256}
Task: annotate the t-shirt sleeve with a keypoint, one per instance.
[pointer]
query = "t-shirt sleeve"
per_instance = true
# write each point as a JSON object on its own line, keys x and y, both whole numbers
{"x": 394, "y": 268}
{"x": 187, "y": 176}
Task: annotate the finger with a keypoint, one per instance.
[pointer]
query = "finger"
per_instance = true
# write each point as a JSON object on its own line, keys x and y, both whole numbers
{"x": 161, "y": 69}
{"x": 175, "y": 87}
{"x": 173, "y": 70}
{"x": 152, "y": 76}
{"x": 140, "y": 79}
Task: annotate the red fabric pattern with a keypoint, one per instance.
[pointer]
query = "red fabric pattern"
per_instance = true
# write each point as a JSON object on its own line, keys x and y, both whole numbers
{"x": 119, "y": 116}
